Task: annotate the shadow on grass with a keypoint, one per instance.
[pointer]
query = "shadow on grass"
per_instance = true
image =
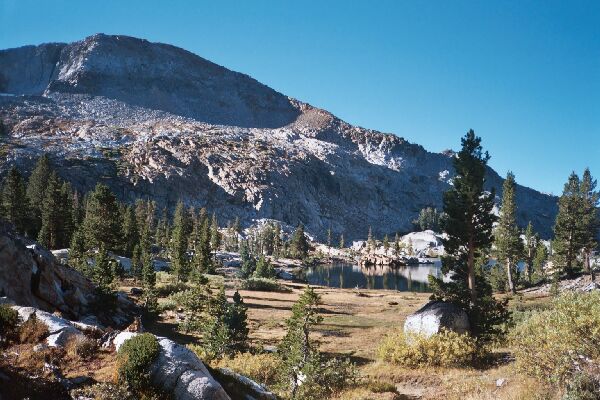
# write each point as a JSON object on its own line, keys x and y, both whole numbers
{"x": 169, "y": 330}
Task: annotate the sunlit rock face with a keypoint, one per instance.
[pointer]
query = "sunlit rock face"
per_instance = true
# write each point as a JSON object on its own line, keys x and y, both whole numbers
{"x": 155, "y": 121}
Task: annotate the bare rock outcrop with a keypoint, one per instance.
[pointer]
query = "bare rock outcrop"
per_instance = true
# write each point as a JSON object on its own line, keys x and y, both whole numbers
{"x": 31, "y": 276}
{"x": 154, "y": 121}
{"x": 435, "y": 316}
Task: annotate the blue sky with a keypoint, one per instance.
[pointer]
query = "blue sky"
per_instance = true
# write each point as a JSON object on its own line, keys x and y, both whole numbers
{"x": 524, "y": 75}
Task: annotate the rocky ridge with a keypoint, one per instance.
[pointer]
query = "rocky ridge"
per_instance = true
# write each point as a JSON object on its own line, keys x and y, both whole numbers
{"x": 155, "y": 121}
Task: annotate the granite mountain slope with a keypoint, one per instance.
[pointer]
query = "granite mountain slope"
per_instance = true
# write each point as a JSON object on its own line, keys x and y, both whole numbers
{"x": 155, "y": 121}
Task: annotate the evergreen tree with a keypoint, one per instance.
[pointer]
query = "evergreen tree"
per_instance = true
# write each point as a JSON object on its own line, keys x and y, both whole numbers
{"x": 277, "y": 247}
{"x": 104, "y": 271}
{"x": 66, "y": 208}
{"x": 428, "y": 219}
{"x": 329, "y": 241}
{"x": 397, "y": 245}
{"x": 541, "y": 256}
{"x": 589, "y": 219}
{"x": 236, "y": 320}
{"x": 149, "y": 283}
{"x": 297, "y": 351}
{"x": 264, "y": 269}
{"x": 509, "y": 247}
{"x": 531, "y": 243}
{"x": 568, "y": 229}
{"x": 248, "y": 262}
{"x": 370, "y": 240}
{"x": 341, "y": 245}
{"x": 36, "y": 191}
{"x": 386, "y": 244}
{"x": 468, "y": 224}
{"x": 53, "y": 215}
{"x": 215, "y": 235}
{"x": 77, "y": 253}
{"x": 137, "y": 262}
{"x": 131, "y": 235}
{"x": 299, "y": 244}
{"x": 14, "y": 201}
{"x": 181, "y": 230}
{"x": 102, "y": 223}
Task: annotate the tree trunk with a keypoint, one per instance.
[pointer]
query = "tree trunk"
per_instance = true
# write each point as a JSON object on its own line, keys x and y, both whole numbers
{"x": 471, "y": 273}
{"x": 511, "y": 285}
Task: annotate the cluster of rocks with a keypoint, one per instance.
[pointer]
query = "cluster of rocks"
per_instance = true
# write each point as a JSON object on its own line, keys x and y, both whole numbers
{"x": 177, "y": 370}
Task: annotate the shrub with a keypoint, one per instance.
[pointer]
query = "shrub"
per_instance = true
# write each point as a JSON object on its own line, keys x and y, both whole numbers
{"x": 445, "y": 349}
{"x": 82, "y": 347}
{"x": 264, "y": 285}
{"x": 103, "y": 391}
{"x": 582, "y": 386}
{"x": 9, "y": 319}
{"x": 134, "y": 359}
{"x": 33, "y": 330}
{"x": 170, "y": 289}
{"x": 550, "y": 343}
{"x": 262, "y": 368}
{"x": 380, "y": 387}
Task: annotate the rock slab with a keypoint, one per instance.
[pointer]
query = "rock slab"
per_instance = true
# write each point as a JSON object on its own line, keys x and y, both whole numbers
{"x": 436, "y": 316}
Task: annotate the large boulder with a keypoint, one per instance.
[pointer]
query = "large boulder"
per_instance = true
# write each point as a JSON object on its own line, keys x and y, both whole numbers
{"x": 60, "y": 330}
{"x": 179, "y": 371}
{"x": 436, "y": 316}
{"x": 31, "y": 276}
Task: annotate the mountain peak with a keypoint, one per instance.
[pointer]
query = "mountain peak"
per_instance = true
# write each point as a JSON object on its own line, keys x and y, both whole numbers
{"x": 151, "y": 75}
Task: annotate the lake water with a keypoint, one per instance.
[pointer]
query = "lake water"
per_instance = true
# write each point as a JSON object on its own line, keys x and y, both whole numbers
{"x": 405, "y": 279}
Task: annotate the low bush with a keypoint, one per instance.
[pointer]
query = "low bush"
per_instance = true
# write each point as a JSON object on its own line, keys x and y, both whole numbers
{"x": 262, "y": 368}
{"x": 380, "y": 387}
{"x": 550, "y": 344}
{"x": 9, "y": 320}
{"x": 582, "y": 386}
{"x": 82, "y": 347}
{"x": 134, "y": 359}
{"x": 171, "y": 288}
{"x": 33, "y": 330}
{"x": 444, "y": 349}
{"x": 264, "y": 285}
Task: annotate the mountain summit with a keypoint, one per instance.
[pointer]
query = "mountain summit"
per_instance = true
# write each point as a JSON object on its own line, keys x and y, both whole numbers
{"x": 155, "y": 121}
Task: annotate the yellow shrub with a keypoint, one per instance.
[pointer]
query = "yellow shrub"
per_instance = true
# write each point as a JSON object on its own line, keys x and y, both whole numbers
{"x": 262, "y": 368}
{"x": 445, "y": 349}
{"x": 549, "y": 343}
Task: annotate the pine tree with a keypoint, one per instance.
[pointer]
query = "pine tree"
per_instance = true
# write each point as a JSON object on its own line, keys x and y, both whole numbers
{"x": 329, "y": 242}
{"x": 137, "y": 262}
{"x": 14, "y": 201}
{"x": 181, "y": 230}
{"x": 103, "y": 273}
{"x": 509, "y": 247}
{"x": 541, "y": 255}
{"x": 296, "y": 349}
{"x": 386, "y": 244}
{"x": 149, "y": 283}
{"x": 299, "y": 244}
{"x": 53, "y": 216}
{"x": 469, "y": 221}
{"x": 531, "y": 243}
{"x": 78, "y": 254}
{"x": 568, "y": 229}
{"x": 236, "y": 319}
{"x": 341, "y": 245}
{"x": 66, "y": 209}
{"x": 248, "y": 262}
{"x": 102, "y": 222}
{"x": 277, "y": 247}
{"x": 589, "y": 220}
{"x": 36, "y": 191}
{"x": 130, "y": 232}
{"x": 397, "y": 245}
{"x": 370, "y": 240}
{"x": 215, "y": 235}
{"x": 264, "y": 269}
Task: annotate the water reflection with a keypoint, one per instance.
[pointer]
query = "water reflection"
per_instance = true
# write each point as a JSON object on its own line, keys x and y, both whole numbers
{"x": 405, "y": 279}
